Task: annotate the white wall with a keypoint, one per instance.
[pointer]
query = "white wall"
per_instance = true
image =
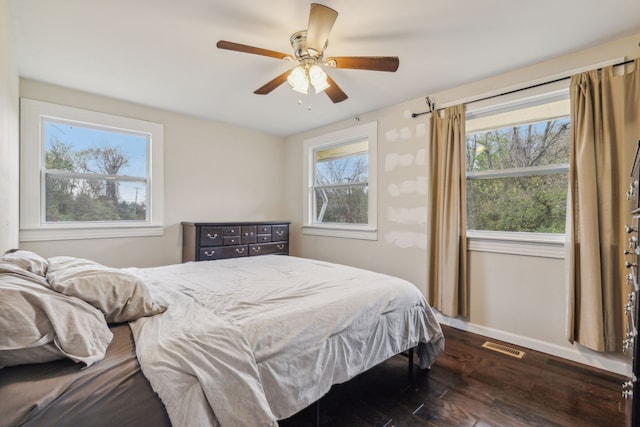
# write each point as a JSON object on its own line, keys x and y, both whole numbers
{"x": 9, "y": 196}
{"x": 520, "y": 299}
{"x": 401, "y": 246}
{"x": 212, "y": 172}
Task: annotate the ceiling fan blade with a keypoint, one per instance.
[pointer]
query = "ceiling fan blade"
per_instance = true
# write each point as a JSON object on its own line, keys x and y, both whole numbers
{"x": 334, "y": 92}
{"x": 269, "y": 86}
{"x": 374, "y": 63}
{"x": 321, "y": 20}
{"x": 223, "y": 44}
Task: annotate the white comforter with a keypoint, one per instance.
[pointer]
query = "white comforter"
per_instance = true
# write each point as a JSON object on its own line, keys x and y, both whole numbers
{"x": 248, "y": 341}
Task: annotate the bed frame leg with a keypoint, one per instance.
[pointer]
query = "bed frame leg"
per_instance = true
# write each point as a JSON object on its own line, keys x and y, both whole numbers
{"x": 410, "y": 373}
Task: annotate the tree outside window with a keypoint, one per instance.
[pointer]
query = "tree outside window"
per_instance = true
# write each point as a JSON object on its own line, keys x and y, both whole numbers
{"x": 517, "y": 177}
{"x": 94, "y": 174}
{"x": 341, "y": 184}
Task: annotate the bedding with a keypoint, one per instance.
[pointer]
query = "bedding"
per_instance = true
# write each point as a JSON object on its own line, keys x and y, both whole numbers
{"x": 26, "y": 260}
{"x": 38, "y": 324}
{"x": 121, "y": 296}
{"x": 269, "y": 335}
{"x": 236, "y": 342}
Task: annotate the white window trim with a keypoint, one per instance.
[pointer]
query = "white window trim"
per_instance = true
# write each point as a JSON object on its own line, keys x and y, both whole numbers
{"x": 31, "y": 226}
{"x": 546, "y": 245}
{"x": 513, "y": 172}
{"x": 367, "y": 232}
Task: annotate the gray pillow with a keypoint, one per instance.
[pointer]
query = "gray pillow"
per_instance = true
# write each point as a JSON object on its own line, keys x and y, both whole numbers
{"x": 27, "y": 260}
{"x": 12, "y": 269}
{"x": 38, "y": 324}
{"x": 120, "y": 295}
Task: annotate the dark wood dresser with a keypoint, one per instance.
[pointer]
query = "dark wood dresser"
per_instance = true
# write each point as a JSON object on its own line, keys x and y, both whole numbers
{"x": 631, "y": 388}
{"x": 202, "y": 241}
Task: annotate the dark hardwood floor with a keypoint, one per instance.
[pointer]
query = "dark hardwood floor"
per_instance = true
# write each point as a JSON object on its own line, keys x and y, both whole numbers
{"x": 472, "y": 386}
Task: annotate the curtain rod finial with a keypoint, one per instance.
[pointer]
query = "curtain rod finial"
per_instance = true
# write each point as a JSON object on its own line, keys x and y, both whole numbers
{"x": 430, "y": 104}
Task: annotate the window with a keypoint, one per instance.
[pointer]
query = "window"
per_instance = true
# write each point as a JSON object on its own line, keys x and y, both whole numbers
{"x": 87, "y": 174}
{"x": 340, "y": 183}
{"x": 517, "y": 165}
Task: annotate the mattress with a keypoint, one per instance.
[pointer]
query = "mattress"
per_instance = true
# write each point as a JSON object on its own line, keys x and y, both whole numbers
{"x": 113, "y": 392}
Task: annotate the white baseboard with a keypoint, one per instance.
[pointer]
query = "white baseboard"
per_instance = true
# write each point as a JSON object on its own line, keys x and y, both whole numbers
{"x": 615, "y": 363}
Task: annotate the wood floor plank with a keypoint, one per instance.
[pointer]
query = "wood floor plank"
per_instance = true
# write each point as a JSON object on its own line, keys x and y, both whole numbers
{"x": 472, "y": 386}
{"x": 443, "y": 413}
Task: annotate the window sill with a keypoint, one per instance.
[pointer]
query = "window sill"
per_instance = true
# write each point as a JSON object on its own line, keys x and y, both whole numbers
{"x": 544, "y": 245}
{"x": 344, "y": 232}
{"x": 42, "y": 234}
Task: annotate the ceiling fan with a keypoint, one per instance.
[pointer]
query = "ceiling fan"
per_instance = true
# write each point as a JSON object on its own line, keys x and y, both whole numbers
{"x": 308, "y": 47}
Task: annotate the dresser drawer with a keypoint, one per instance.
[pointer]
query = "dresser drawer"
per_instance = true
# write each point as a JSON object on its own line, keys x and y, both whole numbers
{"x": 233, "y": 230}
{"x": 264, "y": 229}
{"x": 248, "y": 234}
{"x": 231, "y": 240}
{"x": 269, "y": 248}
{"x": 221, "y": 252}
{"x": 279, "y": 232}
{"x": 210, "y": 236}
{"x": 263, "y": 238}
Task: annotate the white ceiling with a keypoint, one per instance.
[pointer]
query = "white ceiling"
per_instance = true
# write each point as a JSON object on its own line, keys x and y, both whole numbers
{"x": 162, "y": 53}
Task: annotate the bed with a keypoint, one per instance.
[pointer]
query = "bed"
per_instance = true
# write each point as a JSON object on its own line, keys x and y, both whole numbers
{"x": 244, "y": 341}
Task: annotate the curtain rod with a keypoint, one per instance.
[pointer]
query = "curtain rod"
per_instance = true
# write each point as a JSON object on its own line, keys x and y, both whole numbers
{"x": 432, "y": 104}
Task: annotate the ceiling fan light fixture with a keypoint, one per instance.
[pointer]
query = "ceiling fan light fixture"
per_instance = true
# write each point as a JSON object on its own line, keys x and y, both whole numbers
{"x": 318, "y": 78}
{"x": 308, "y": 51}
{"x": 298, "y": 79}
{"x": 304, "y": 75}
{"x": 321, "y": 87}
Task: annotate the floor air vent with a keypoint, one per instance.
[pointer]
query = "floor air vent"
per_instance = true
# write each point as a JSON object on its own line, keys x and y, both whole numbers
{"x": 509, "y": 351}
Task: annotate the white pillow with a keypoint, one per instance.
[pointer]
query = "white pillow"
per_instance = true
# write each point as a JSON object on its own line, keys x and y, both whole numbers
{"x": 38, "y": 324}
{"x": 120, "y": 295}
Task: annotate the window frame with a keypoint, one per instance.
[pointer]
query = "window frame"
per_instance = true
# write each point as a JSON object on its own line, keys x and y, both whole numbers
{"x": 369, "y": 231}
{"x": 32, "y": 195}
{"x": 549, "y": 245}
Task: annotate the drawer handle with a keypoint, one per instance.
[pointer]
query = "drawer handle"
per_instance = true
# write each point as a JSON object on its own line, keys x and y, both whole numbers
{"x": 248, "y": 233}
{"x": 281, "y": 247}
{"x": 279, "y": 232}
{"x": 240, "y": 250}
{"x": 212, "y": 237}
{"x": 257, "y": 248}
{"x": 209, "y": 253}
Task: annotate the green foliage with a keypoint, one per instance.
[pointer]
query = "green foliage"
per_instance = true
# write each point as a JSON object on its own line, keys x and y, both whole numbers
{"x": 344, "y": 205}
{"x": 533, "y": 203}
{"x": 59, "y": 156}
{"x": 86, "y": 198}
{"x": 522, "y": 204}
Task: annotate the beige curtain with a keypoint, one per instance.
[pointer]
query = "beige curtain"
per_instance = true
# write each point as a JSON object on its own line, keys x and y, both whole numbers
{"x": 605, "y": 133}
{"x": 447, "y": 241}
